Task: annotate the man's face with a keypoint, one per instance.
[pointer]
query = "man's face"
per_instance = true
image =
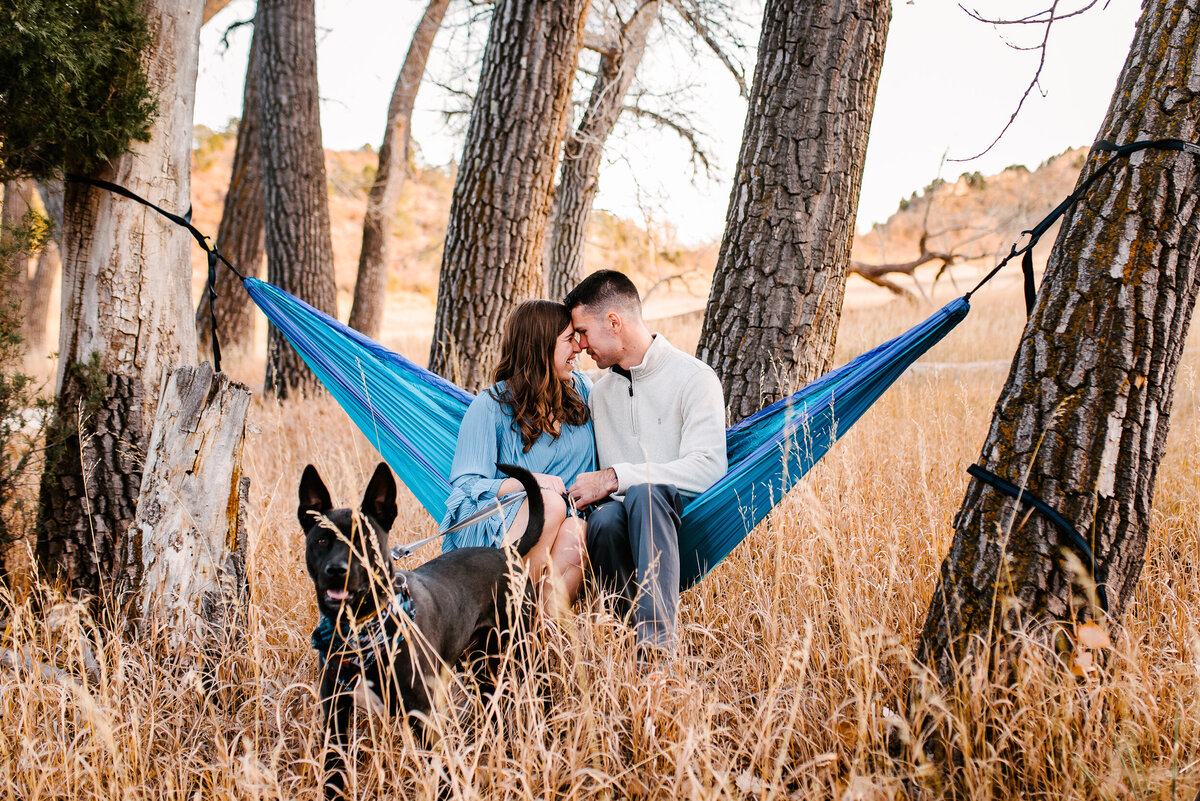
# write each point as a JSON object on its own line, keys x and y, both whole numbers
{"x": 598, "y": 335}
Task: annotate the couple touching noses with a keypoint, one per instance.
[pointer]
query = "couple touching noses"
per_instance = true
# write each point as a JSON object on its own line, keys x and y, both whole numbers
{"x": 629, "y": 451}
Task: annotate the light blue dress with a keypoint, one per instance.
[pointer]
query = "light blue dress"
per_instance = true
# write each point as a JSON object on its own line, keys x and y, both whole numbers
{"x": 487, "y": 436}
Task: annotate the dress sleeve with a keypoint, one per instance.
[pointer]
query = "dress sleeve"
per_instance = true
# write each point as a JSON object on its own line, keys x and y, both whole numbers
{"x": 473, "y": 477}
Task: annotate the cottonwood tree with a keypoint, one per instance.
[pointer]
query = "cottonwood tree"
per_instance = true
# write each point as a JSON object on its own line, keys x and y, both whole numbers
{"x": 501, "y": 200}
{"x": 36, "y": 310}
{"x": 126, "y": 315}
{"x": 578, "y": 178}
{"x": 621, "y": 47}
{"x": 296, "y": 199}
{"x": 776, "y": 296}
{"x": 18, "y": 193}
{"x": 29, "y": 292}
{"x": 366, "y": 315}
{"x": 240, "y": 234}
{"x": 1082, "y": 420}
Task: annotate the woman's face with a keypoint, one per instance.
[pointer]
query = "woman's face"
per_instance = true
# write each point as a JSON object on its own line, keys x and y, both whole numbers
{"x": 566, "y": 349}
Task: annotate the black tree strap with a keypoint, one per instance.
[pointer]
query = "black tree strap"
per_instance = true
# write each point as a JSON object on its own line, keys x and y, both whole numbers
{"x": 1035, "y": 233}
{"x": 1076, "y": 542}
{"x": 214, "y": 255}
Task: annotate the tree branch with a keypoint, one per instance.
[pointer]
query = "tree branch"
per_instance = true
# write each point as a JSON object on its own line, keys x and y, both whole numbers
{"x": 693, "y": 14}
{"x": 680, "y": 128}
{"x": 1046, "y": 18}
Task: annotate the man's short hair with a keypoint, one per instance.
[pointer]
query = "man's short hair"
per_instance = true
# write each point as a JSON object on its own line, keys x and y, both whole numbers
{"x": 605, "y": 289}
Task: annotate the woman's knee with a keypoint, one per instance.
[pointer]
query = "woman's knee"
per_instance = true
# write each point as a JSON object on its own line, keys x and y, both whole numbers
{"x": 554, "y": 509}
{"x": 572, "y": 535}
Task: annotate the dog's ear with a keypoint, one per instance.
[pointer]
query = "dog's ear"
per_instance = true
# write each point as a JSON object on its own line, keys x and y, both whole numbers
{"x": 313, "y": 498}
{"x": 379, "y": 501}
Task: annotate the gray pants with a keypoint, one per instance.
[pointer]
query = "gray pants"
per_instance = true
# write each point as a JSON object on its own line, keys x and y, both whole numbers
{"x": 633, "y": 547}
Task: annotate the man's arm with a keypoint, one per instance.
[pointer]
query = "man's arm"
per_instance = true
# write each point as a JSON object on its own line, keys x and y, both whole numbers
{"x": 702, "y": 458}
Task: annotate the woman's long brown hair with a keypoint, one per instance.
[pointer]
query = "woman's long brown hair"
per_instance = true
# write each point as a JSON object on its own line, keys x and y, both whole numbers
{"x": 536, "y": 398}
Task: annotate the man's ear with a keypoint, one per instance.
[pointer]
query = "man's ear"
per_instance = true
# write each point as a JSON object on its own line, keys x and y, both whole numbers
{"x": 613, "y": 320}
{"x": 379, "y": 501}
{"x": 314, "y": 498}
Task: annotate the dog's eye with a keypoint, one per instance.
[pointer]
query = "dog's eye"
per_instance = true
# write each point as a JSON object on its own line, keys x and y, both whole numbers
{"x": 323, "y": 541}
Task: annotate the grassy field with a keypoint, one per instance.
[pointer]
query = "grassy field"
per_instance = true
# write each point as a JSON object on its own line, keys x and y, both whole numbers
{"x": 796, "y": 679}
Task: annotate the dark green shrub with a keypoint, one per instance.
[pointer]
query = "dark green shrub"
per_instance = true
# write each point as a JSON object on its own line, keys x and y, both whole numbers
{"x": 73, "y": 93}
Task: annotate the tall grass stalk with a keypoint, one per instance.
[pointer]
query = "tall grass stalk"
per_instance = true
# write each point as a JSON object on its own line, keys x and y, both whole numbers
{"x": 796, "y": 678}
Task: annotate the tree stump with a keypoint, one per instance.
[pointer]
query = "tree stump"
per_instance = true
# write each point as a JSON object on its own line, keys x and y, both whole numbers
{"x": 184, "y": 557}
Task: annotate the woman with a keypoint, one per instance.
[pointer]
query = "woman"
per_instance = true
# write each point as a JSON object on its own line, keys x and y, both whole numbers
{"x": 536, "y": 416}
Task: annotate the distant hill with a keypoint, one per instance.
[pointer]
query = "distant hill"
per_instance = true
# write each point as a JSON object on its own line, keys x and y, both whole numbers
{"x": 650, "y": 253}
{"x": 976, "y": 216}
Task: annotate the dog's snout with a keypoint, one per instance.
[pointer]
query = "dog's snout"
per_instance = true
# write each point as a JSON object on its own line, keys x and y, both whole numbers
{"x": 336, "y": 569}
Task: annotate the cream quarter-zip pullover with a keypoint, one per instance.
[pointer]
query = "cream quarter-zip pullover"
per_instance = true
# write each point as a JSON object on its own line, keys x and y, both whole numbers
{"x": 661, "y": 422}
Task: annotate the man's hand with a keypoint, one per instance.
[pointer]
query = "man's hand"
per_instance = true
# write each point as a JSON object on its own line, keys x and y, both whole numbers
{"x": 591, "y": 487}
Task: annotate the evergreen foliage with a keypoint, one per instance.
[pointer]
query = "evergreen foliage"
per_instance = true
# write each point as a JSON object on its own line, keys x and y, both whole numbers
{"x": 73, "y": 93}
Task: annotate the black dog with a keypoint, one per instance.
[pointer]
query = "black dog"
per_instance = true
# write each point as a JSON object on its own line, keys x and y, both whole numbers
{"x": 458, "y": 603}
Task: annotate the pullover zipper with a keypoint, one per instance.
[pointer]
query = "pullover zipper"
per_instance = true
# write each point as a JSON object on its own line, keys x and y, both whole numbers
{"x": 633, "y": 409}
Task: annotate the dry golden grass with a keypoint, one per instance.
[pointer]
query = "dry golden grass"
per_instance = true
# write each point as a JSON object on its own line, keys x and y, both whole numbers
{"x": 796, "y": 678}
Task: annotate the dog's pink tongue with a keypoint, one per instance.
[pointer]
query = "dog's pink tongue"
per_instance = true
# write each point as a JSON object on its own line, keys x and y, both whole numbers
{"x": 337, "y": 595}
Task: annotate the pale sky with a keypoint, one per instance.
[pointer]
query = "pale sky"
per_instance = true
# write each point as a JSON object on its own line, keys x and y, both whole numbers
{"x": 948, "y": 86}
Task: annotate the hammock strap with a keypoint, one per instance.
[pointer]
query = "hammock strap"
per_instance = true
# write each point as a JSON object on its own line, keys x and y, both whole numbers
{"x": 1035, "y": 233}
{"x": 185, "y": 221}
{"x": 1076, "y": 541}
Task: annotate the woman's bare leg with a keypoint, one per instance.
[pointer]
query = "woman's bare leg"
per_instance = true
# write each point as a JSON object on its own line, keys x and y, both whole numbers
{"x": 537, "y": 561}
{"x": 566, "y": 565}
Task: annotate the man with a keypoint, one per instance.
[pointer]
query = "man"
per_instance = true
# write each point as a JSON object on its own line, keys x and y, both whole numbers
{"x": 659, "y": 416}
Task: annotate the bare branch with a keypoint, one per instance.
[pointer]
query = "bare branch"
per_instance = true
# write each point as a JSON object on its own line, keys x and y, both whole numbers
{"x": 1045, "y": 18}
{"x": 693, "y": 14}
{"x": 600, "y": 43}
{"x": 1036, "y": 18}
{"x": 665, "y": 282}
{"x": 681, "y": 128}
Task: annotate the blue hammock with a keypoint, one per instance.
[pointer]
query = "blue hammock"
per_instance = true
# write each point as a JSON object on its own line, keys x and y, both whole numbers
{"x": 412, "y": 416}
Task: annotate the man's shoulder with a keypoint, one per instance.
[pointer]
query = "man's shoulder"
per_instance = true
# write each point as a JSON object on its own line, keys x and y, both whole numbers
{"x": 684, "y": 363}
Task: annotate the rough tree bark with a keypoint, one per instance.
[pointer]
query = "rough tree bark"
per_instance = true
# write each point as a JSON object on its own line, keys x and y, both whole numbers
{"x": 296, "y": 198}
{"x": 501, "y": 201}
{"x": 366, "y": 315}
{"x": 776, "y": 297}
{"x": 126, "y": 315}
{"x": 183, "y": 561}
{"x": 240, "y": 235}
{"x": 578, "y": 179}
{"x": 1082, "y": 420}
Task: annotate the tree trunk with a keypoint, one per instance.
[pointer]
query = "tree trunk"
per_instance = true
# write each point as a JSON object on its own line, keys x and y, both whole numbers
{"x": 578, "y": 179}
{"x": 366, "y": 315}
{"x": 296, "y": 198}
{"x": 777, "y": 292}
{"x": 37, "y": 298}
{"x": 14, "y": 250}
{"x": 1082, "y": 420}
{"x": 498, "y": 213}
{"x": 183, "y": 561}
{"x": 126, "y": 316}
{"x": 240, "y": 235}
